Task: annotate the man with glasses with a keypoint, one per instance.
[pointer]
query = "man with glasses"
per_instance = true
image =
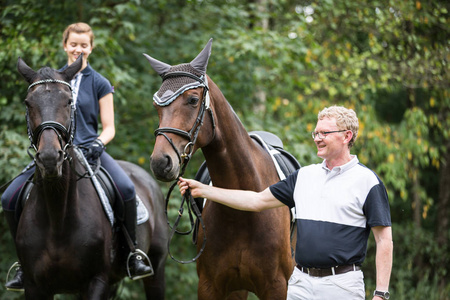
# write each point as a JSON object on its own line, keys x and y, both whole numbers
{"x": 338, "y": 203}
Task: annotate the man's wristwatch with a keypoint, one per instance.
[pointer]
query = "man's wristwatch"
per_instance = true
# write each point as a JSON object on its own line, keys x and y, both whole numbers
{"x": 383, "y": 295}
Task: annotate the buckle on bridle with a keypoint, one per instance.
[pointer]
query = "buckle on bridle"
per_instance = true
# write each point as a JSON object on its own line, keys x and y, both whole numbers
{"x": 189, "y": 146}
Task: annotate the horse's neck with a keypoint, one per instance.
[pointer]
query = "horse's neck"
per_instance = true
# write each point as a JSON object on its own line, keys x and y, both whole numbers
{"x": 232, "y": 156}
{"x": 57, "y": 197}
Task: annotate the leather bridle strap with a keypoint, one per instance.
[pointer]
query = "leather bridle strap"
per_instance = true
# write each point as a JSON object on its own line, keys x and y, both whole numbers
{"x": 57, "y": 127}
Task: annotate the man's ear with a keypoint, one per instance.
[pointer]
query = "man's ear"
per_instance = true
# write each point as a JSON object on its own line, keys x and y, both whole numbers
{"x": 348, "y": 136}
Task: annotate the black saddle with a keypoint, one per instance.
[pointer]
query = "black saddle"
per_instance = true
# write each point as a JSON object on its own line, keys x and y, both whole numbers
{"x": 285, "y": 162}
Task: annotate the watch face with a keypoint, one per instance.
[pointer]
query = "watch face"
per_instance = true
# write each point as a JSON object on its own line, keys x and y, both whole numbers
{"x": 384, "y": 295}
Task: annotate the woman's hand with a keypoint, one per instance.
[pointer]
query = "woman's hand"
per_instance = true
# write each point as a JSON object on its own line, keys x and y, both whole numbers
{"x": 95, "y": 150}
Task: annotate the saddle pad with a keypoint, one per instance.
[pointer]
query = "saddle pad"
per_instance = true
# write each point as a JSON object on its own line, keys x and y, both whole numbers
{"x": 142, "y": 212}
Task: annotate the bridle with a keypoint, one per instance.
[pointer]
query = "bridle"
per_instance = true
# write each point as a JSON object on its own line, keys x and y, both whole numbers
{"x": 184, "y": 159}
{"x": 65, "y": 135}
{"x": 192, "y": 134}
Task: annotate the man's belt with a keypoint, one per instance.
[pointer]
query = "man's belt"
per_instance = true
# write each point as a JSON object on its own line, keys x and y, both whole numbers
{"x": 318, "y": 272}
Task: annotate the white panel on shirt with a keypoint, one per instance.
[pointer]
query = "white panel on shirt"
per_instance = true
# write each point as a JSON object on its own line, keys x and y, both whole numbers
{"x": 335, "y": 196}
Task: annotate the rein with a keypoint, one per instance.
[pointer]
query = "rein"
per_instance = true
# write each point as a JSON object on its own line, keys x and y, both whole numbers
{"x": 184, "y": 159}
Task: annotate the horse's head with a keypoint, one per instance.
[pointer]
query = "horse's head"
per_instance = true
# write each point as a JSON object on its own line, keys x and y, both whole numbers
{"x": 50, "y": 114}
{"x": 182, "y": 103}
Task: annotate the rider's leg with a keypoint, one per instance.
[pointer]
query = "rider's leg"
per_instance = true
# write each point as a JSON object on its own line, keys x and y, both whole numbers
{"x": 9, "y": 200}
{"x": 138, "y": 268}
{"x": 16, "y": 283}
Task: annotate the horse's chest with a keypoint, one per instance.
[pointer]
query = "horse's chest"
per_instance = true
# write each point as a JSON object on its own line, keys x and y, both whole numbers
{"x": 65, "y": 252}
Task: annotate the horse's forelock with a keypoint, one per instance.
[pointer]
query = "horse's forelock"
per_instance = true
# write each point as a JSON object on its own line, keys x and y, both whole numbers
{"x": 48, "y": 73}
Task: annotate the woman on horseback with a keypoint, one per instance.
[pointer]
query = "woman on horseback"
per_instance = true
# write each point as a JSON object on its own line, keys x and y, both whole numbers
{"x": 93, "y": 98}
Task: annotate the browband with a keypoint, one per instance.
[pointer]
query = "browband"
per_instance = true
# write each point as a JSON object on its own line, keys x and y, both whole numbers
{"x": 49, "y": 81}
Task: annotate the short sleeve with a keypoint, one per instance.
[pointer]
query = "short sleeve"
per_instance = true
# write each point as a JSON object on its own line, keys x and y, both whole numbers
{"x": 376, "y": 207}
{"x": 284, "y": 189}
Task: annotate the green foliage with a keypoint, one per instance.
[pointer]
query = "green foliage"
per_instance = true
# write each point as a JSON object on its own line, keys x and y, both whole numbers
{"x": 278, "y": 63}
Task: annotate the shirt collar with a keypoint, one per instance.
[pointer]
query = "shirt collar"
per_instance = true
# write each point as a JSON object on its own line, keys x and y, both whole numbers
{"x": 86, "y": 71}
{"x": 353, "y": 162}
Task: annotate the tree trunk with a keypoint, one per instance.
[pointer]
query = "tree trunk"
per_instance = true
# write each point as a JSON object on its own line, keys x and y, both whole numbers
{"x": 444, "y": 211}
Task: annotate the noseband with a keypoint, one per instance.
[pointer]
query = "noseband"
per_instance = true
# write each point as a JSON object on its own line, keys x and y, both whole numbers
{"x": 64, "y": 134}
{"x": 192, "y": 134}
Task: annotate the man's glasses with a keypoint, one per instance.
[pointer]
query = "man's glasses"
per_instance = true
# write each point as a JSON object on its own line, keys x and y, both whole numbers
{"x": 323, "y": 135}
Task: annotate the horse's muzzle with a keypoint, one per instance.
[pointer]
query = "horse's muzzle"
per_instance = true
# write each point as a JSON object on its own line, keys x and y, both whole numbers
{"x": 49, "y": 162}
{"x": 164, "y": 168}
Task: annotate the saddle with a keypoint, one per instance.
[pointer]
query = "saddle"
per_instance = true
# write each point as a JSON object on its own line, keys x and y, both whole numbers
{"x": 284, "y": 162}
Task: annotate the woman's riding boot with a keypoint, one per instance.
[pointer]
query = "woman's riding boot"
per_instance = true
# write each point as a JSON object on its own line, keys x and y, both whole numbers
{"x": 15, "y": 284}
{"x": 137, "y": 267}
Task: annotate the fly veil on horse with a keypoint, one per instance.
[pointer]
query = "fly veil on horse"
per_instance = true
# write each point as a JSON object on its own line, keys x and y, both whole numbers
{"x": 65, "y": 241}
{"x": 245, "y": 251}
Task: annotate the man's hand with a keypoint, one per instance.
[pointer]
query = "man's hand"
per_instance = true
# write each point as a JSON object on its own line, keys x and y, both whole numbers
{"x": 193, "y": 185}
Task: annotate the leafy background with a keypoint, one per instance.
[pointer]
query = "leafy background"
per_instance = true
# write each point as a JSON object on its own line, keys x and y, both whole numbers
{"x": 278, "y": 63}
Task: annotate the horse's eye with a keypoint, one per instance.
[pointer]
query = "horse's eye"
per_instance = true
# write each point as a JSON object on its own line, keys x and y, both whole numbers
{"x": 193, "y": 100}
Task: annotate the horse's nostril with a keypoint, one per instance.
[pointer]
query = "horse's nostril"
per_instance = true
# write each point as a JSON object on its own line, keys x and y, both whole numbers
{"x": 61, "y": 154}
{"x": 162, "y": 163}
{"x": 168, "y": 162}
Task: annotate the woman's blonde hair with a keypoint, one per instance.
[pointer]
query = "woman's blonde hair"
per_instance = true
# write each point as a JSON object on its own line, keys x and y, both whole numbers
{"x": 79, "y": 28}
{"x": 346, "y": 119}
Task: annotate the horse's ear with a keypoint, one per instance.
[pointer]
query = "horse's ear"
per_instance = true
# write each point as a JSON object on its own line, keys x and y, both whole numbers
{"x": 28, "y": 73}
{"x": 160, "y": 67}
{"x": 201, "y": 61}
{"x": 73, "y": 69}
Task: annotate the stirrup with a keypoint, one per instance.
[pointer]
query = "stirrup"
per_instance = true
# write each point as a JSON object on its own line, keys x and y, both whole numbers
{"x": 144, "y": 258}
{"x": 15, "y": 265}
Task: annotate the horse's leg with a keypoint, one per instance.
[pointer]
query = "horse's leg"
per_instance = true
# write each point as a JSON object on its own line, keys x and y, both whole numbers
{"x": 98, "y": 289}
{"x": 238, "y": 295}
{"x": 207, "y": 292}
{"x": 155, "y": 285}
{"x": 276, "y": 291}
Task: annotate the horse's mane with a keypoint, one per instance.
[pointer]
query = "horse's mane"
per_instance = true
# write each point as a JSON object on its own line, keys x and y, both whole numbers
{"x": 47, "y": 73}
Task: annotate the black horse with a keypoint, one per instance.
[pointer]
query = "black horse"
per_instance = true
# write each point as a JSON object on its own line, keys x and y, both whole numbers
{"x": 65, "y": 241}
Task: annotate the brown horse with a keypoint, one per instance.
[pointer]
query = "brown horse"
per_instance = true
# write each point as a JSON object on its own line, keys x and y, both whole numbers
{"x": 65, "y": 242}
{"x": 245, "y": 251}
